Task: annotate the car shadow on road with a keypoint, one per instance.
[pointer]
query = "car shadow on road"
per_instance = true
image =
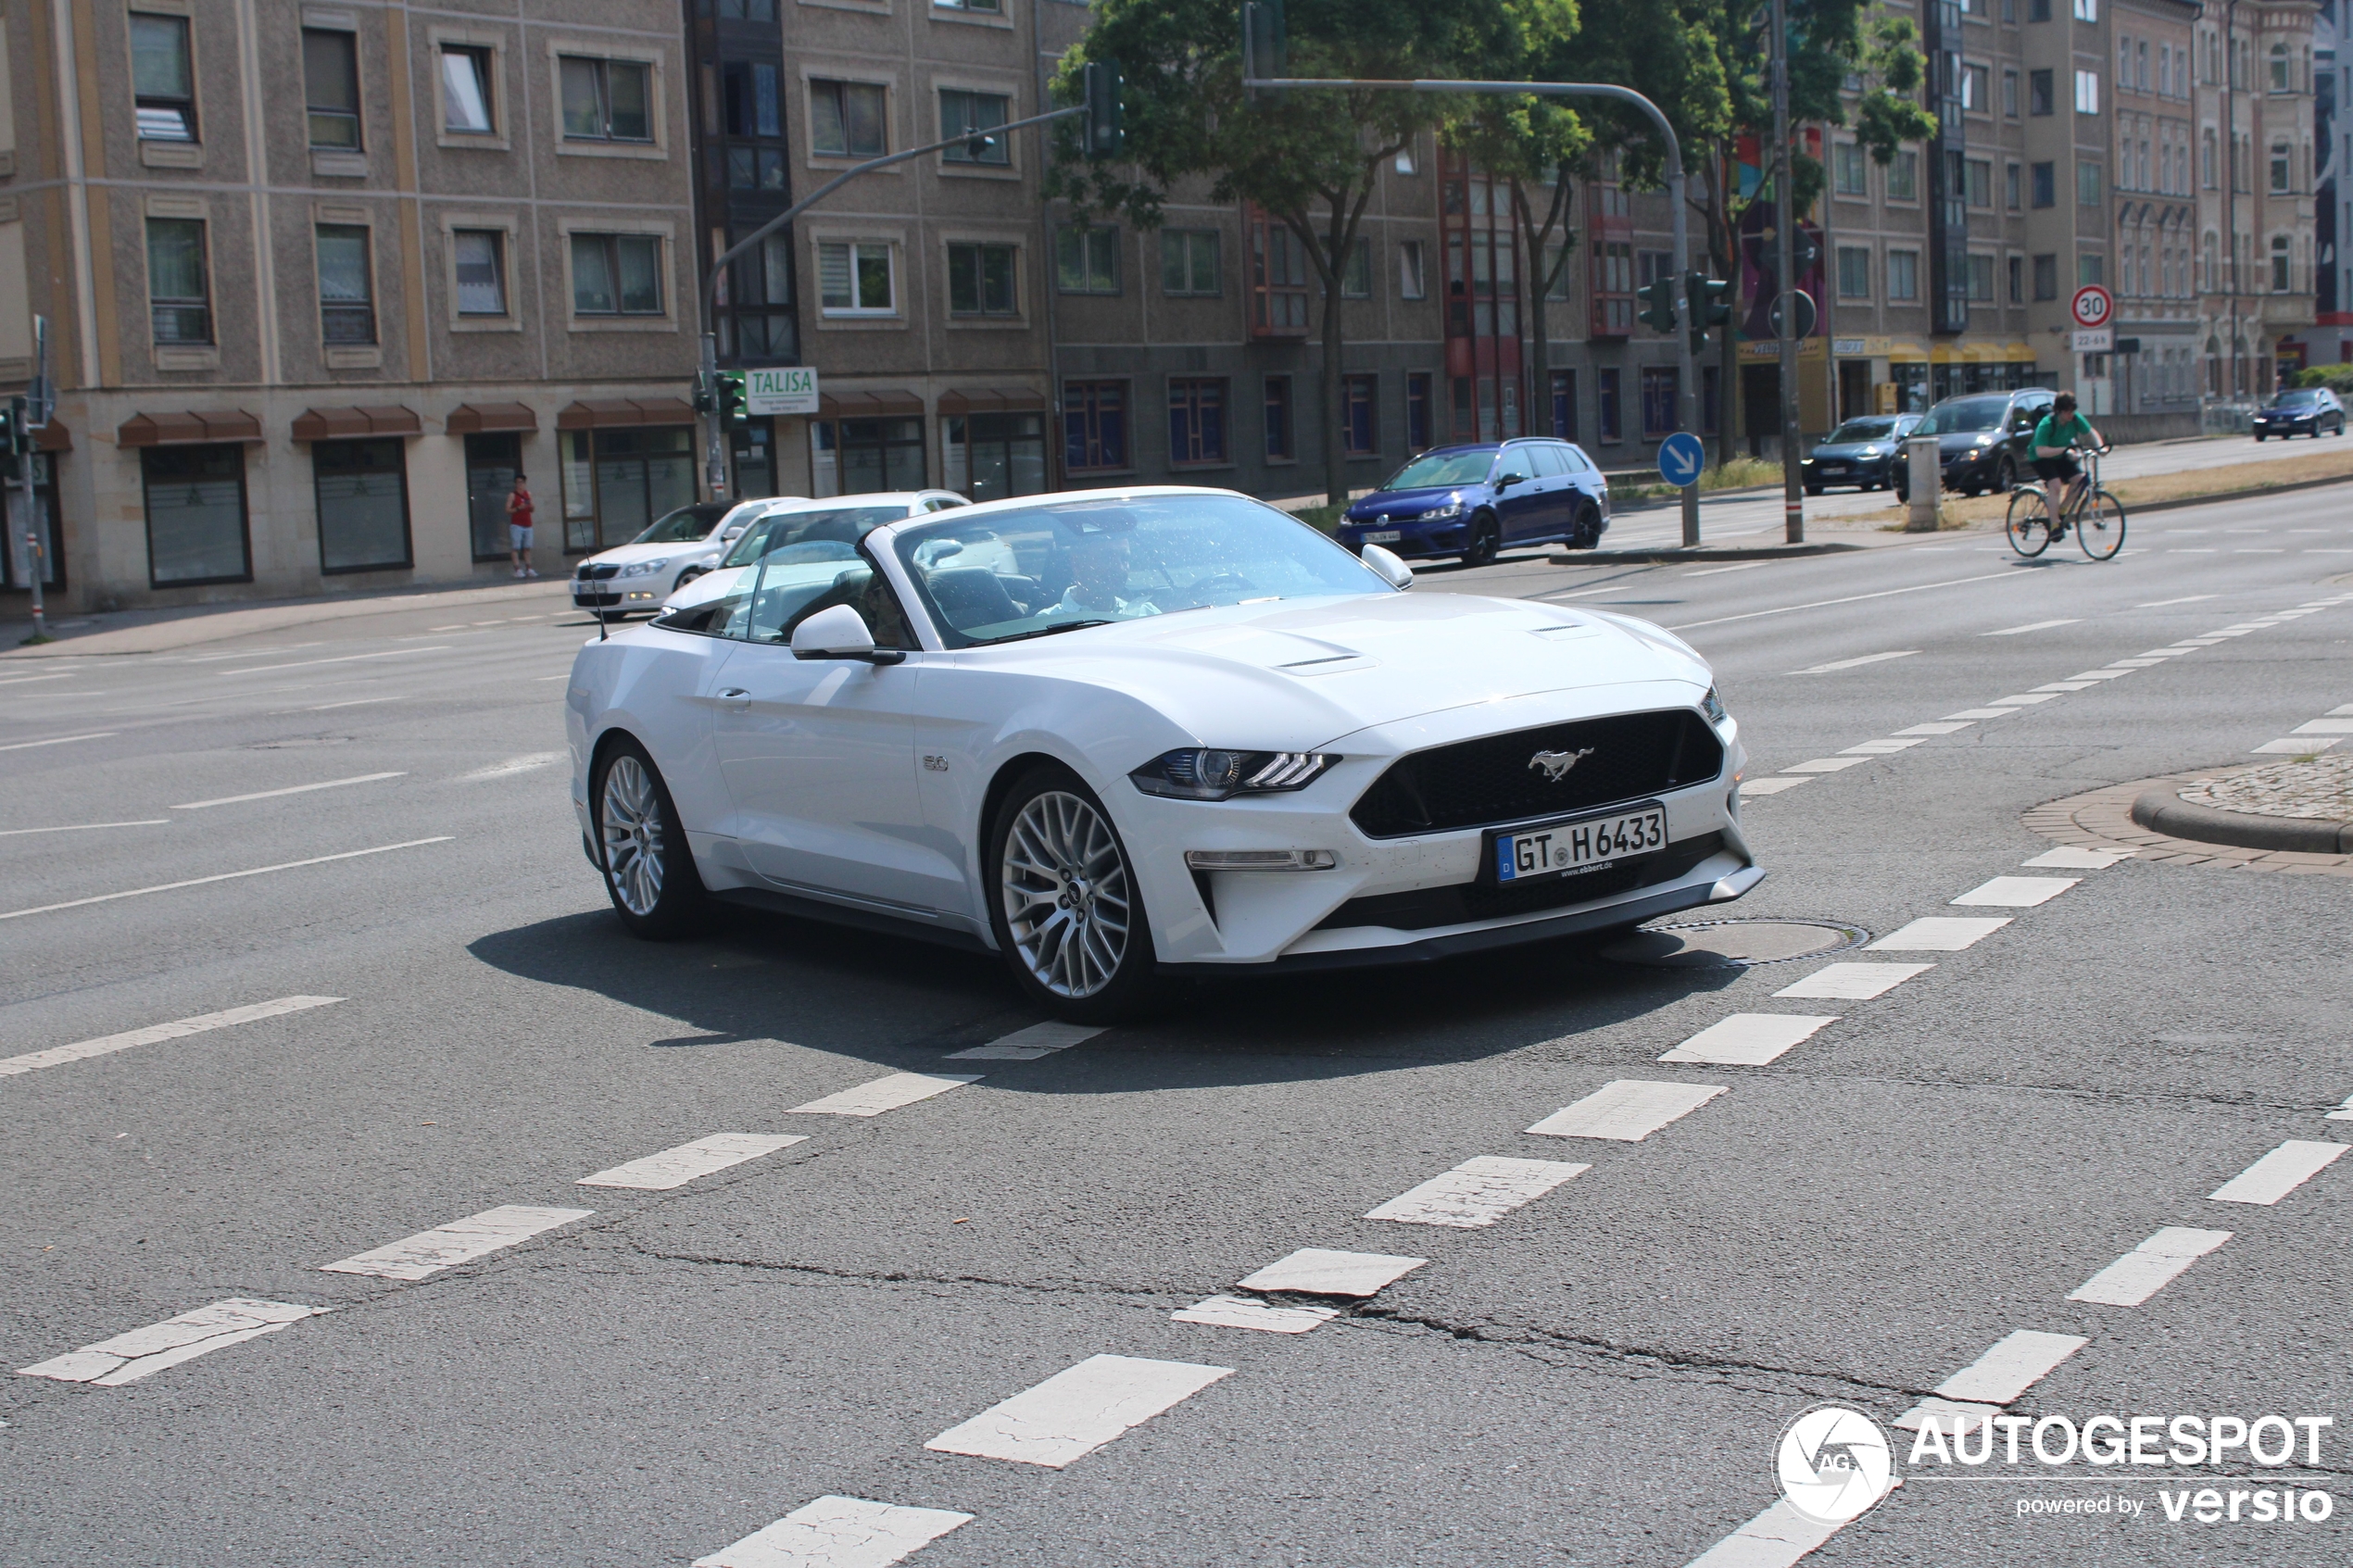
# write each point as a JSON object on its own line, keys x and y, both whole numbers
{"x": 905, "y": 1004}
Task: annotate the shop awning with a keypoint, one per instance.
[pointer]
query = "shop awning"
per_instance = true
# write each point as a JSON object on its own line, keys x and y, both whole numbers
{"x": 991, "y": 400}
{"x": 867, "y": 405}
{"x": 189, "y": 427}
{"x": 472, "y": 418}
{"x": 604, "y": 413}
{"x": 53, "y": 436}
{"x": 331, "y": 424}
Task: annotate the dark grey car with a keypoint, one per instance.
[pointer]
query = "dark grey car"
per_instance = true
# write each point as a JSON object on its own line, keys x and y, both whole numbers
{"x": 2303, "y": 410}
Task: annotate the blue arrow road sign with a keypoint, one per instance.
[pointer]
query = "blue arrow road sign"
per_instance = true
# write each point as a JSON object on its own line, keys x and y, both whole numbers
{"x": 1680, "y": 456}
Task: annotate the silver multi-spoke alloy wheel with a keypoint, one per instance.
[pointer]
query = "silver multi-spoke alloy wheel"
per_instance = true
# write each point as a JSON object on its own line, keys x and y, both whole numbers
{"x": 629, "y": 816}
{"x": 1067, "y": 904}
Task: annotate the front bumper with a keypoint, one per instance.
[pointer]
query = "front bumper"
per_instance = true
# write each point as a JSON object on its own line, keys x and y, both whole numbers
{"x": 2285, "y": 427}
{"x": 1828, "y": 472}
{"x": 644, "y": 594}
{"x": 1415, "y": 539}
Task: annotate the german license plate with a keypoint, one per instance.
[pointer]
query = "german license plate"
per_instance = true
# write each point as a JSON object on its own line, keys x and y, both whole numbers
{"x": 1584, "y": 845}
{"x": 1383, "y": 536}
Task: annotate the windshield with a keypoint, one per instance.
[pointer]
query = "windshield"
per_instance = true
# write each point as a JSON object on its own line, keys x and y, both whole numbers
{"x": 1008, "y": 574}
{"x": 682, "y": 527}
{"x": 1442, "y": 468}
{"x": 1978, "y": 413}
{"x": 1862, "y": 430}
{"x": 2298, "y": 399}
{"x": 826, "y": 534}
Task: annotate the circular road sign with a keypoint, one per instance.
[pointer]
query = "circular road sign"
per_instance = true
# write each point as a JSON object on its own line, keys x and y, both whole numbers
{"x": 1680, "y": 456}
{"x": 2092, "y": 306}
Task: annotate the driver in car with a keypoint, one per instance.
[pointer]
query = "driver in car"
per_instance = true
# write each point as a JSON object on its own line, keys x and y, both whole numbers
{"x": 1098, "y": 564}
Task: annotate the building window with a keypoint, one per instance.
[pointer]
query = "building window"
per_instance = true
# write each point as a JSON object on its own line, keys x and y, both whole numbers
{"x": 756, "y": 320}
{"x": 179, "y": 306}
{"x": 2279, "y": 264}
{"x": 1981, "y": 280}
{"x": 1977, "y": 89}
{"x": 1562, "y": 408}
{"x": 1846, "y": 168}
{"x": 1189, "y": 263}
{"x": 1417, "y": 396}
{"x": 1356, "y": 278}
{"x": 1412, "y": 282}
{"x": 992, "y": 7}
{"x": 2282, "y": 177}
{"x": 2091, "y": 270}
{"x": 362, "y": 488}
{"x": 2045, "y": 182}
{"x": 865, "y": 456}
{"x": 331, "y": 86}
{"x": 1279, "y": 420}
{"x": 163, "y": 78}
{"x": 492, "y": 460}
{"x": 1196, "y": 420}
{"x": 2087, "y": 184}
{"x": 2038, "y": 10}
{"x": 1853, "y": 272}
{"x": 1087, "y": 259}
{"x": 617, "y": 482}
{"x": 973, "y": 114}
{"x": 993, "y": 456}
{"x": 847, "y": 118}
{"x": 1903, "y": 274}
{"x": 1277, "y": 279}
{"x": 2018, "y": 280}
{"x": 346, "y": 292}
{"x": 1359, "y": 415}
{"x": 980, "y": 280}
{"x": 1094, "y": 426}
{"x": 1659, "y": 402}
{"x": 854, "y": 277}
{"x": 1904, "y": 177}
{"x": 2046, "y": 277}
{"x": 466, "y": 101}
{"x": 2087, "y": 10}
{"x": 2038, "y": 92}
{"x": 2013, "y": 186}
{"x": 607, "y": 100}
{"x": 1605, "y": 410}
{"x": 2281, "y": 79}
{"x": 2009, "y": 94}
{"x": 616, "y": 275}
{"x": 1977, "y": 182}
{"x": 2087, "y": 92}
{"x": 482, "y": 271}
{"x": 197, "y": 515}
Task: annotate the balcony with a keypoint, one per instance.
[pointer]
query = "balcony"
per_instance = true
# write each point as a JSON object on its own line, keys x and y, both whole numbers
{"x": 2288, "y": 312}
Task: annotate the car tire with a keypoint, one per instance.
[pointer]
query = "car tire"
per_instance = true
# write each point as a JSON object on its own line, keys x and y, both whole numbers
{"x": 1587, "y": 533}
{"x": 1813, "y": 489}
{"x": 1063, "y": 903}
{"x": 1486, "y": 538}
{"x": 2259, "y": 438}
{"x": 641, "y": 846}
{"x": 2004, "y": 476}
{"x": 688, "y": 576}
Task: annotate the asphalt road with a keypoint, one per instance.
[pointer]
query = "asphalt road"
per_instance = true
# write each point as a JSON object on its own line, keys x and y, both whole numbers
{"x": 1597, "y": 1378}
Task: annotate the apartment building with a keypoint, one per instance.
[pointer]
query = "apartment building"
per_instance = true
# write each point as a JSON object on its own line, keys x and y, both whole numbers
{"x": 2154, "y": 208}
{"x": 2254, "y": 67}
{"x": 324, "y": 277}
{"x": 2332, "y": 195}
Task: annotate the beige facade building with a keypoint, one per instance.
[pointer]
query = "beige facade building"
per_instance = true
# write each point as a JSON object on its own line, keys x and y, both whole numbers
{"x": 2256, "y": 124}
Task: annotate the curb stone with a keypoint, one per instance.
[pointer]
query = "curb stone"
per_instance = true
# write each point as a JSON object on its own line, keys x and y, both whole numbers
{"x": 2103, "y": 818}
{"x": 2163, "y": 810}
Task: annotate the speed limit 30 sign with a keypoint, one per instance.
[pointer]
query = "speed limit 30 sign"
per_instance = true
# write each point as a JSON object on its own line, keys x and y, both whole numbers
{"x": 2092, "y": 306}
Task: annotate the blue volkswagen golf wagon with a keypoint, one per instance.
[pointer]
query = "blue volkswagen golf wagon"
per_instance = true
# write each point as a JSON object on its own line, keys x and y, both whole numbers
{"x": 1474, "y": 500}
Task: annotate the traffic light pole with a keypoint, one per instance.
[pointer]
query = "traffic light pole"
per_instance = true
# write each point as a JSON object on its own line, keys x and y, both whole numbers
{"x": 27, "y": 415}
{"x": 1784, "y": 268}
{"x": 714, "y": 448}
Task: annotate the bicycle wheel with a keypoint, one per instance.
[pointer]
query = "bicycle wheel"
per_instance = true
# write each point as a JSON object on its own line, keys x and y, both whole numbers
{"x": 2029, "y": 521}
{"x": 2100, "y": 527}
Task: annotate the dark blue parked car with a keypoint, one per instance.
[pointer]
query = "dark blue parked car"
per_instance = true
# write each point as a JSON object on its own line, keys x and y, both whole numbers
{"x": 1471, "y": 501}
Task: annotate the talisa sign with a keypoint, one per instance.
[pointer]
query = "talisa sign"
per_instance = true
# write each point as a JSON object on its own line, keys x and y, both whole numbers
{"x": 790, "y": 390}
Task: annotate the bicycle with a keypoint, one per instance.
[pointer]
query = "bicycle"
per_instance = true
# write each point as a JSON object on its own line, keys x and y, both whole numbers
{"x": 2096, "y": 516}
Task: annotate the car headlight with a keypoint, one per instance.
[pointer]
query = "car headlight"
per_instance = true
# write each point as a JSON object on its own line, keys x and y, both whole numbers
{"x": 1437, "y": 514}
{"x": 1202, "y": 774}
{"x": 644, "y": 568}
{"x": 1870, "y": 451}
{"x": 1713, "y": 705}
{"x": 1985, "y": 440}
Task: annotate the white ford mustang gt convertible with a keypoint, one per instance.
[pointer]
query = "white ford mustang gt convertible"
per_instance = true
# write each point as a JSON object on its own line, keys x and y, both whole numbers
{"x": 1120, "y": 735}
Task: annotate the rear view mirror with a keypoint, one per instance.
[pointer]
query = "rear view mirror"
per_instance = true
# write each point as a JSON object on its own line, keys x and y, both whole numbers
{"x": 1389, "y": 568}
{"x": 840, "y": 632}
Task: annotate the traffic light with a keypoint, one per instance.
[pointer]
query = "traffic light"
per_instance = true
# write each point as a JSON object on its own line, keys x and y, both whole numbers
{"x": 1658, "y": 305}
{"x": 703, "y": 400}
{"x": 1264, "y": 46}
{"x": 1709, "y": 303}
{"x": 1100, "y": 129}
{"x": 731, "y": 405}
{"x": 16, "y": 435}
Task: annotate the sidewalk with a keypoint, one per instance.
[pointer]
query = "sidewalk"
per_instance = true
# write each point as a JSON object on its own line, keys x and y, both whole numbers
{"x": 160, "y": 631}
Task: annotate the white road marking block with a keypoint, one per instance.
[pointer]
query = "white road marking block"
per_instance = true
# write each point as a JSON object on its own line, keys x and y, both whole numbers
{"x": 1771, "y": 786}
{"x": 2066, "y": 685}
{"x": 2149, "y": 1267}
{"x": 222, "y": 876}
{"x": 126, "y": 1358}
{"x": 1240, "y": 1311}
{"x": 1941, "y": 727}
{"x": 2295, "y": 747}
{"x": 2024, "y": 699}
{"x": 2030, "y": 626}
{"x": 1977, "y": 713}
{"x": 290, "y": 789}
{"x": 1939, "y": 933}
{"x": 2071, "y": 857}
{"x": 1029, "y": 1045}
{"x": 2343, "y": 1112}
{"x": 1953, "y": 1419}
{"x": 87, "y": 827}
{"x": 1316, "y": 1270}
{"x": 1078, "y": 1411}
{"x": 1854, "y": 982}
{"x": 1825, "y": 764}
{"x": 2014, "y": 1364}
{"x": 2343, "y": 712}
{"x": 888, "y": 1094}
{"x": 2017, "y": 892}
{"x": 838, "y": 1532}
{"x": 1746, "y": 1039}
{"x": 2279, "y": 1173}
{"x": 1887, "y": 747}
{"x": 676, "y": 1167}
{"x": 1629, "y": 1110}
{"x": 460, "y": 1241}
{"x": 1775, "y": 1538}
{"x": 1849, "y": 663}
{"x": 1478, "y": 1192}
{"x": 106, "y": 1045}
{"x": 2116, "y": 674}
{"x": 2324, "y": 727}
{"x": 59, "y": 740}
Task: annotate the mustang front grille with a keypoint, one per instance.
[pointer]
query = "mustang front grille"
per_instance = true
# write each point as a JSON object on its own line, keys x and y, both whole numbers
{"x": 1540, "y": 773}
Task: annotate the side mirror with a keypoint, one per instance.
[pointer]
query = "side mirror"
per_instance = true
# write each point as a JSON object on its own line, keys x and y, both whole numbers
{"x": 1388, "y": 567}
{"x": 840, "y": 632}
{"x": 1507, "y": 480}
{"x": 728, "y": 535}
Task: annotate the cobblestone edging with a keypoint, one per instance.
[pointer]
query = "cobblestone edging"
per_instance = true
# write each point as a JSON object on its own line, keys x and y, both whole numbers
{"x": 2318, "y": 789}
{"x": 2103, "y": 819}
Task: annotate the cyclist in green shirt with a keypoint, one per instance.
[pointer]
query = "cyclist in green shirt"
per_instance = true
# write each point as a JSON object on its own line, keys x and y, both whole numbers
{"x": 2054, "y": 442}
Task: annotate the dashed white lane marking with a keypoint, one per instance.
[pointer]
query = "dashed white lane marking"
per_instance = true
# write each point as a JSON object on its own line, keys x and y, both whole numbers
{"x": 290, "y": 789}
{"x": 1078, "y": 1411}
{"x": 1976, "y": 713}
{"x": 2017, "y": 892}
{"x": 1743, "y": 566}
{"x": 2279, "y": 1173}
{"x": 2343, "y": 1112}
{"x": 224, "y": 876}
{"x": 513, "y": 766}
{"x": 2072, "y": 857}
{"x": 2343, "y": 712}
{"x": 1775, "y": 1538}
{"x": 676, "y": 1167}
{"x": 1855, "y": 663}
{"x": 1029, "y": 1045}
{"x": 1953, "y": 1419}
{"x": 460, "y": 1241}
{"x": 1747, "y": 1039}
{"x": 59, "y": 740}
{"x": 343, "y": 658}
{"x": 126, "y": 1358}
{"x": 1941, "y": 727}
{"x": 836, "y": 1532}
{"x": 1826, "y": 604}
{"x": 888, "y": 1094}
{"x": 1628, "y": 1110}
{"x": 1887, "y": 747}
{"x": 1825, "y": 764}
{"x": 1854, "y": 982}
{"x": 106, "y": 1045}
{"x": 1316, "y": 1271}
{"x": 2032, "y": 626}
{"x": 2010, "y": 1369}
{"x": 2160, "y": 604}
{"x": 86, "y": 827}
{"x": 2066, "y": 685}
{"x": 27, "y": 679}
{"x": 2107, "y": 671}
{"x": 2295, "y": 747}
{"x": 2324, "y": 727}
{"x": 1240, "y": 1311}
{"x": 356, "y": 702}
{"x": 2149, "y": 1267}
{"x": 1771, "y": 786}
{"x": 2023, "y": 700}
{"x": 1478, "y": 1192}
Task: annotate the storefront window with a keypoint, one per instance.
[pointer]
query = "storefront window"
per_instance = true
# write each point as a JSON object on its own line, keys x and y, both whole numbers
{"x": 989, "y": 456}
{"x": 617, "y": 482}
{"x": 197, "y": 515}
{"x": 754, "y": 450}
{"x": 491, "y": 457}
{"x": 364, "y": 504}
{"x": 863, "y": 457}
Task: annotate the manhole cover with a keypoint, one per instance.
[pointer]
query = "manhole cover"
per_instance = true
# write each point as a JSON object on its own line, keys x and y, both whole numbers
{"x": 1734, "y": 944}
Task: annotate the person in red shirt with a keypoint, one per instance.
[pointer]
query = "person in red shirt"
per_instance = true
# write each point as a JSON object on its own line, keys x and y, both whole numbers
{"x": 519, "y": 529}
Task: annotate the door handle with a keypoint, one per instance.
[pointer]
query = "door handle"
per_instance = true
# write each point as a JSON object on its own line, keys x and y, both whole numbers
{"x": 735, "y": 697}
